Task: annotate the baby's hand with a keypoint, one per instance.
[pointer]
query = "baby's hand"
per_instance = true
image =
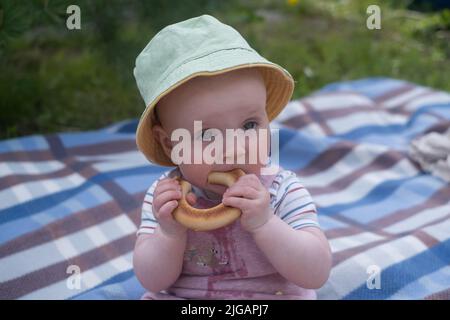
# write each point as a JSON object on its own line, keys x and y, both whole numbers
{"x": 165, "y": 200}
{"x": 252, "y": 198}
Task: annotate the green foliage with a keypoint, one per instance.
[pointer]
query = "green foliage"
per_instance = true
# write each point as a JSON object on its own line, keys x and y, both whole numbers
{"x": 53, "y": 79}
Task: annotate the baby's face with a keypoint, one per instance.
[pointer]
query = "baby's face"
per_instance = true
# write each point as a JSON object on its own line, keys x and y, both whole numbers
{"x": 233, "y": 100}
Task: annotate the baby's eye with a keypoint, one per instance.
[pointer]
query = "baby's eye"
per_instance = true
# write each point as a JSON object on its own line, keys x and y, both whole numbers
{"x": 207, "y": 134}
{"x": 250, "y": 125}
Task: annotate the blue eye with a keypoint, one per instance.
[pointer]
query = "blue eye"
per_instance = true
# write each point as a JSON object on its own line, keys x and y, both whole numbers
{"x": 250, "y": 125}
{"x": 204, "y": 135}
{"x": 207, "y": 134}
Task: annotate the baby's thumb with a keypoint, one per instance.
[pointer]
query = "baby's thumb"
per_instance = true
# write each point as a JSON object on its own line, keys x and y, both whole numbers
{"x": 191, "y": 198}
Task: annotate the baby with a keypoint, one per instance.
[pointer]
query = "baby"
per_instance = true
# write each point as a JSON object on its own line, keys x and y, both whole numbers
{"x": 203, "y": 70}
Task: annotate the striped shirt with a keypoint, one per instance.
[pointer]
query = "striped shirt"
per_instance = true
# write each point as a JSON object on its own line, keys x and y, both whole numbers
{"x": 289, "y": 199}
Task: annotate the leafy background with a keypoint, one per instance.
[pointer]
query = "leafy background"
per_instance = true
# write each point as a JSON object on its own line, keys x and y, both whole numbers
{"x": 53, "y": 79}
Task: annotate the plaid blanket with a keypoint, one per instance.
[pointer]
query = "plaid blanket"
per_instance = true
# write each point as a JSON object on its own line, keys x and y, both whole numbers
{"x": 71, "y": 202}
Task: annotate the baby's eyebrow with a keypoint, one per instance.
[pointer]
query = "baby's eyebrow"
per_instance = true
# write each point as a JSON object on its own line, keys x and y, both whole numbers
{"x": 254, "y": 109}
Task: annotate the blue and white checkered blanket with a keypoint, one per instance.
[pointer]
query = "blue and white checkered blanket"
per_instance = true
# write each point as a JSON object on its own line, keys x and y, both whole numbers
{"x": 74, "y": 199}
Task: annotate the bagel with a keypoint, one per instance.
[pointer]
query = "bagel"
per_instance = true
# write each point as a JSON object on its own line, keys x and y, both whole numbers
{"x": 211, "y": 218}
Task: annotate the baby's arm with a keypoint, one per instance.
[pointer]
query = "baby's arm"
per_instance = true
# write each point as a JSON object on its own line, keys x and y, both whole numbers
{"x": 301, "y": 256}
{"x": 158, "y": 257}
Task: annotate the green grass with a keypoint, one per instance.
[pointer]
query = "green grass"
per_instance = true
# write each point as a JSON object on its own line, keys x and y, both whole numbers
{"x": 55, "y": 80}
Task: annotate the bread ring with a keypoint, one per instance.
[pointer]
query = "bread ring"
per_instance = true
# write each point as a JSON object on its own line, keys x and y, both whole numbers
{"x": 211, "y": 218}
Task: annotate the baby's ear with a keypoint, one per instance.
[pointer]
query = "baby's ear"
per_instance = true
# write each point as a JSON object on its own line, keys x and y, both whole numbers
{"x": 163, "y": 138}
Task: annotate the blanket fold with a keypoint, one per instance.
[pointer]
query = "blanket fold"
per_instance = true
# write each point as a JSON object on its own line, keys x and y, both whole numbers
{"x": 432, "y": 152}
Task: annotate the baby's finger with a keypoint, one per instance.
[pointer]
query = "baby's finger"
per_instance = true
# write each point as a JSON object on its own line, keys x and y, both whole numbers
{"x": 165, "y": 213}
{"x": 164, "y": 197}
{"x": 242, "y": 191}
{"x": 236, "y": 202}
{"x": 250, "y": 180}
{"x": 167, "y": 185}
{"x": 191, "y": 198}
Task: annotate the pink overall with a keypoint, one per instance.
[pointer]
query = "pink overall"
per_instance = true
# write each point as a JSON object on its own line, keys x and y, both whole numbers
{"x": 227, "y": 264}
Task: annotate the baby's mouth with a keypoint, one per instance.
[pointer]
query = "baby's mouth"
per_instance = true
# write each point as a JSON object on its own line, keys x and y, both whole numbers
{"x": 219, "y": 181}
{"x": 215, "y": 191}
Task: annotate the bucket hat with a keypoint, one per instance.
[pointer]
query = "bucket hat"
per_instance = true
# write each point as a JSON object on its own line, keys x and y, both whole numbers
{"x": 200, "y": 46}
